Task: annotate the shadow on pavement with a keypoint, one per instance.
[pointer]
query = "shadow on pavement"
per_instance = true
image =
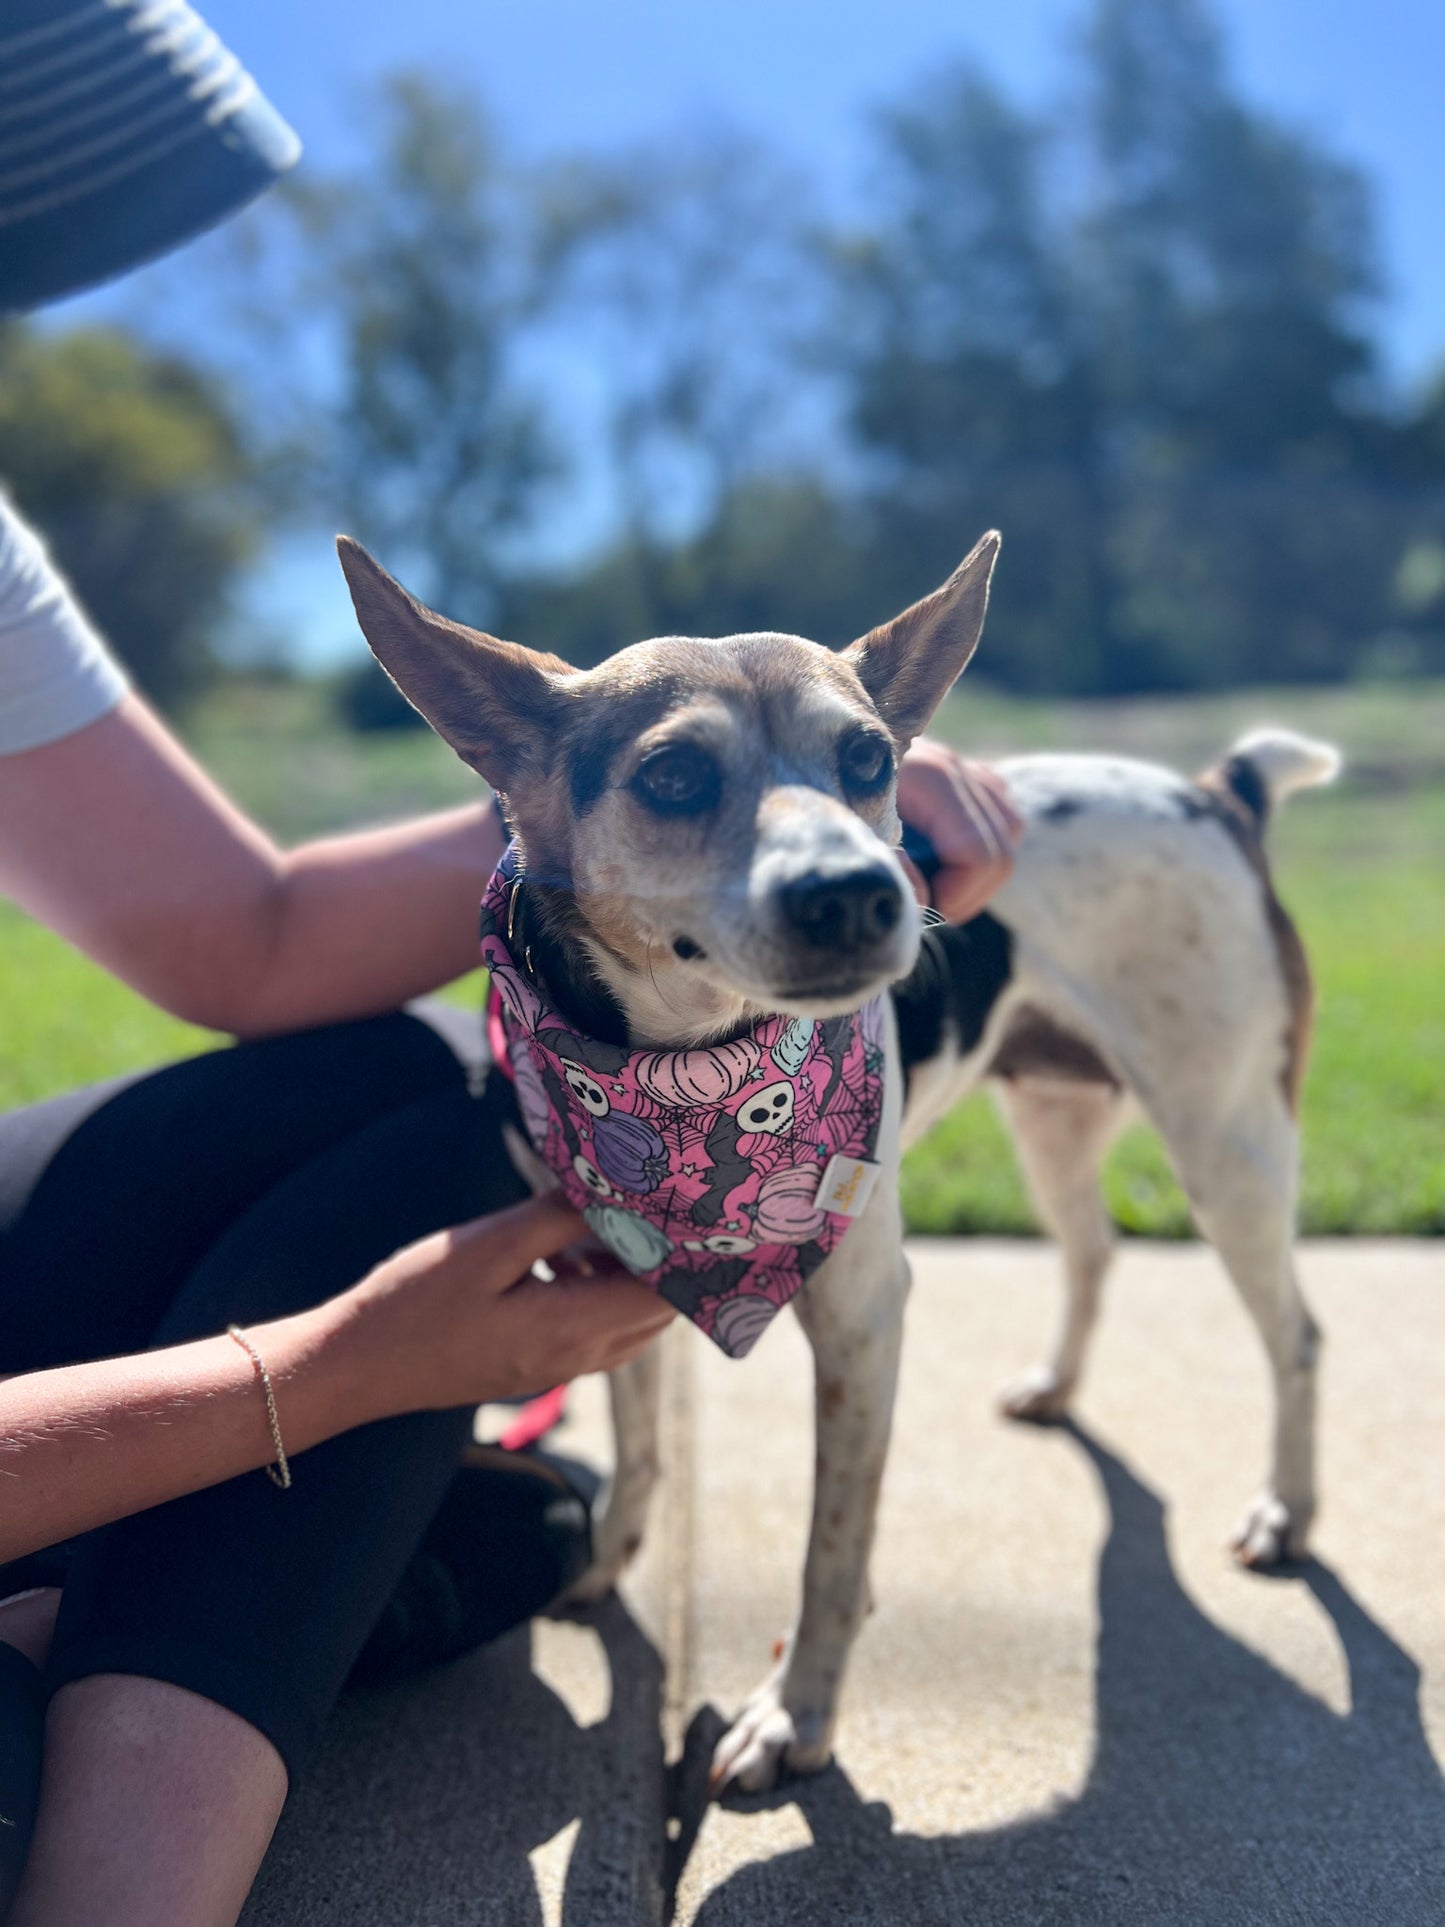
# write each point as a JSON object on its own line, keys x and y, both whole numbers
{"x": 1220, "y": 1793}
{"x": 427, "y": 1798}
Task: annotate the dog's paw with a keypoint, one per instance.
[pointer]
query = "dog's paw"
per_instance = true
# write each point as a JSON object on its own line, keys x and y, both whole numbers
{"x": 764, "y": 1741}
{"x": 1271, "y": 1532}
{"x": 1036, "y": 1395}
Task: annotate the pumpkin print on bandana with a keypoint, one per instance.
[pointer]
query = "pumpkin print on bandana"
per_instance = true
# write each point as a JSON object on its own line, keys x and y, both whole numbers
{"x": 701, "y": 1168}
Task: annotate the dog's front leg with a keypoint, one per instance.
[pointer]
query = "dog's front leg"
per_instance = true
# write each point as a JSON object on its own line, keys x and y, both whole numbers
{"x": 636, "y": 1390}
{"x": 852, "y": 1312}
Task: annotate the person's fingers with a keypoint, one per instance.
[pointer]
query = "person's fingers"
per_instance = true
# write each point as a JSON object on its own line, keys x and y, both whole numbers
{"x": 567, "y": 1329}
{"x": 965, "y": 810}
{"x": 619, "y": 1304}
{"x": 506, "y": 1244}
{"x": 992, "y": 795}
{"x": 962, "y": 893}
{"x": 577, "y": 1264}
{"x": 579, "y": 1305}
{"x": 986, "y": 840}
{"x": 991, "y": 804}
{"x": 939, "y": 799}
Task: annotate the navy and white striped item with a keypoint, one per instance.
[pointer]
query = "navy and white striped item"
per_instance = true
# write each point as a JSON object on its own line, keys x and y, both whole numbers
{"x": 125, "y": 128}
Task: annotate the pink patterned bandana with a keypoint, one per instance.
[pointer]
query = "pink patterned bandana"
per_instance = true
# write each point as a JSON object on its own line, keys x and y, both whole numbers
{"x": 722, "y": 1175}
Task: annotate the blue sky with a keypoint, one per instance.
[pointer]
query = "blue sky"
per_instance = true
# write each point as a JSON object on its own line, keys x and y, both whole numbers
{"x": 574, "y": 74}
{"x": 570, "y": 73}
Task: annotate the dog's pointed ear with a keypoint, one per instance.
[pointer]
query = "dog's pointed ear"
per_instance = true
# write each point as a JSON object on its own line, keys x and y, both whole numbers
{"x": 909, "y": 665}
{"x": 496, "y": 703}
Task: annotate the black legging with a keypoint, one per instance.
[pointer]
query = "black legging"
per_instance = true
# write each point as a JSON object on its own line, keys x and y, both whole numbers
{"x": 239, "y": 1187}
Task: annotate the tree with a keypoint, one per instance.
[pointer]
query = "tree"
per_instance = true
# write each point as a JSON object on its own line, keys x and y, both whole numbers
{"x": 1228, "y": 261}
{"x": 129, "y": 462}
{"x": 688, "y": 292}
{"x": 778, "y": 552}
{"x": 1138, "y": 335}
{"x": 431, "y": 267}
{"x": 970, "y": 376}
{"x": 1142, "y": 346}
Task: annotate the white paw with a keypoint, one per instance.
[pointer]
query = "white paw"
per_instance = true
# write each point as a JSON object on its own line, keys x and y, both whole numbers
{"x": 1270, "y": 1532}
{"x": 764, "y": 1739}
{"x": 1037, "y": 1394}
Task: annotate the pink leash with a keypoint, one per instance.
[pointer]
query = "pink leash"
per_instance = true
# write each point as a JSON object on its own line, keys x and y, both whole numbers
{"x": 535, "y": 1420}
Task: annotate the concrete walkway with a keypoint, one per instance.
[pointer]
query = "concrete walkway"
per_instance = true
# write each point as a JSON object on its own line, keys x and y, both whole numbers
{"x": 1069, "y": 1706}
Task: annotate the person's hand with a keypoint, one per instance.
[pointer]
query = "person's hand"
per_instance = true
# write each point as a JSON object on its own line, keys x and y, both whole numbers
{"x": 965, "y": 811}
{"x": 459, "y": 1318}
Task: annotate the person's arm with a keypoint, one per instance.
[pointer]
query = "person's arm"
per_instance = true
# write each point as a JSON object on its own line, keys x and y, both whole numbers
{"x": 453, "y": 1320}
{"x": 965, "y": 811}
{"x": 117, "y": 839}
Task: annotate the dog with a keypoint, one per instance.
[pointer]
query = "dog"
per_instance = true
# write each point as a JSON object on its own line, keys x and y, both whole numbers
{"x": 708, "y": 833}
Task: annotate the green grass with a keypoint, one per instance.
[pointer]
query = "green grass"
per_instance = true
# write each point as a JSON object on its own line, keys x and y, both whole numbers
{"x": 1362, "y": 868}
{"x": 65, "y": 1022}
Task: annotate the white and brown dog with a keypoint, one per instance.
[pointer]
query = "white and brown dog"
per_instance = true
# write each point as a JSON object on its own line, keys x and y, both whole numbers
{"x": 712, "y": 827}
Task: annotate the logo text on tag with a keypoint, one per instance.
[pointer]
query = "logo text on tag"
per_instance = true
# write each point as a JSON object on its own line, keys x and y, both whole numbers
{"x": 846, "y": 1186}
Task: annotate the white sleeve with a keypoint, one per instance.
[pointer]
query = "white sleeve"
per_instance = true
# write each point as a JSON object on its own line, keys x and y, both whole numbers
{"x": 56, "y": 675}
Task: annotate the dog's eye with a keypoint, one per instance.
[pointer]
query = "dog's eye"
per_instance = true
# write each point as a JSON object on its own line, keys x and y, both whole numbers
{"x": 680, "y": 780}
{"x": 865, "y": 762}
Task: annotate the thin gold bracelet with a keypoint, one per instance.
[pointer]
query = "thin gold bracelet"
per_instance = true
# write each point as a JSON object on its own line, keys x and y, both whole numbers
{"x": 280, "y": 1472}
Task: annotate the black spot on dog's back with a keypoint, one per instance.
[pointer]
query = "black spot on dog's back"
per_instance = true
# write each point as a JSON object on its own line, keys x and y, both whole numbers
{"x": 954, "y": 985}
{"x": 1062, "y": 808}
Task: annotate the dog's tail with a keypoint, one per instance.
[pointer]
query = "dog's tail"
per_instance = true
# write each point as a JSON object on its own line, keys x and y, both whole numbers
{"x": 1267, "y": 765}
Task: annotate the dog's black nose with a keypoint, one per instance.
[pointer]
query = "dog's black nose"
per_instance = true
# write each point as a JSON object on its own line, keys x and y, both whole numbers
{"x": 844, "y": 912}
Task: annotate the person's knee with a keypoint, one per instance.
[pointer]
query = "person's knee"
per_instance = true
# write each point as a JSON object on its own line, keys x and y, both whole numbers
{"x": 168, "y": 1732}
{"x": 156, "y": 1804}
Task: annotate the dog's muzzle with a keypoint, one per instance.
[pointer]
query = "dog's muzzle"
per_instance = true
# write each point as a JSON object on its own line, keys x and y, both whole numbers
{"x": 843, "y": 913}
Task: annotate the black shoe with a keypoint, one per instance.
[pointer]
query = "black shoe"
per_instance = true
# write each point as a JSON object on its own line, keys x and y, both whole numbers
{"x": 513, "y": 1532}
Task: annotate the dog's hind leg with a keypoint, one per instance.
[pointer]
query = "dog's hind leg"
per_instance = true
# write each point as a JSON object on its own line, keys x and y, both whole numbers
{"x": 1242, "y": 1179}
{"x": 635, "y": 1390}
{"x": 1061, "y": 1132}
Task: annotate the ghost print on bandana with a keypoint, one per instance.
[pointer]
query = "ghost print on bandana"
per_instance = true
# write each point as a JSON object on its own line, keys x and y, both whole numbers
{"x": 713, "y": 1173}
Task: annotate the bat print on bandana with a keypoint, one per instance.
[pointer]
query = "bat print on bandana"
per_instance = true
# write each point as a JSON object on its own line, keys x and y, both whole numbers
{"x": 558, "y": 1097}
{"x": 728, "y": 1168}
{"x": 603, "y": 1060}
{"x": 688, "y": 1290}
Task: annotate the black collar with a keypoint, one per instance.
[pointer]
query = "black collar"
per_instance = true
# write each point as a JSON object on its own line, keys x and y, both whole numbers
{"x": 545, "y": 935}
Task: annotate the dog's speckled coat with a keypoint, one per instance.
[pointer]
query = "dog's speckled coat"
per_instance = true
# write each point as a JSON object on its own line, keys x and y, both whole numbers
{"x": 1136, "y": 957}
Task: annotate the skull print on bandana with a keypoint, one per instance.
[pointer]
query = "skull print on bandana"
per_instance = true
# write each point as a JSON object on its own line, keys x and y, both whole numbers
{"x": 721, "y": 1175}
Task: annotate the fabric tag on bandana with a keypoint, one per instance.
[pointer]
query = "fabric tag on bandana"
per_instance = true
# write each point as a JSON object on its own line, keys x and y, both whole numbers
{"x": 847, "y": 1186}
